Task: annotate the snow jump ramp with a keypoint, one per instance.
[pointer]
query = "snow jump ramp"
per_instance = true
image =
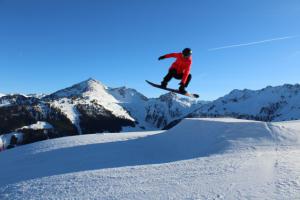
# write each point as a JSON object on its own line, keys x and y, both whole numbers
{"x": 190, "y": 139}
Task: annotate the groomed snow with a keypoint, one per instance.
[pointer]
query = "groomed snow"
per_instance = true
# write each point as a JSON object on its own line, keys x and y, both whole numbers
{"x": 197, "y": 159}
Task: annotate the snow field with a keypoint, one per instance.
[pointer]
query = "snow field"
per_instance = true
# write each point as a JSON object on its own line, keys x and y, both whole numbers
{"x": 198, "y": 159}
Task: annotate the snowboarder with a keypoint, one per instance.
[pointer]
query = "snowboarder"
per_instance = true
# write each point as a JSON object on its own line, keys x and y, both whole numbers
{"x": 180, "y": 69}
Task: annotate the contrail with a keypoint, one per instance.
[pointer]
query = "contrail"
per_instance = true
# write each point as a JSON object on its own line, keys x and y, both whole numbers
{"x": 253, "y": 43}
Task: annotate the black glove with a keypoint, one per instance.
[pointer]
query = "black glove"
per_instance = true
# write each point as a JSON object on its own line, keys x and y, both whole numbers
{"x": 161, "y": 57}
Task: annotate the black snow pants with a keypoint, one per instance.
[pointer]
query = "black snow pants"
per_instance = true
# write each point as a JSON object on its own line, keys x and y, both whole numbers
{"x": 173, "y": 74}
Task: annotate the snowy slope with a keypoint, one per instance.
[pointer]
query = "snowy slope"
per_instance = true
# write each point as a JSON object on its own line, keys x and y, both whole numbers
{"x": 2, "y": 95}
{"x": 68, "y": 107}
{"x": 198, "y": 159}
{"x": 269, "y": 104}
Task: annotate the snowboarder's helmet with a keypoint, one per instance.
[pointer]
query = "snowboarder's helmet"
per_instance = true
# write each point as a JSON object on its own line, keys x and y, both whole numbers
{"x": 187, "y": 52}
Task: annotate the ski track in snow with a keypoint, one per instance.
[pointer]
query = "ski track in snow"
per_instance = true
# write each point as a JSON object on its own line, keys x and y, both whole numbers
{"x": 231, "y": 159}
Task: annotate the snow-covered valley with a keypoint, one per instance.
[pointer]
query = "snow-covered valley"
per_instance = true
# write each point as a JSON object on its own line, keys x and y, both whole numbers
{"x": 200, "y": 158}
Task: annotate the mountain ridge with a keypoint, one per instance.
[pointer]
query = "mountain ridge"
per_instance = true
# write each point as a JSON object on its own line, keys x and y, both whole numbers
{"x": 90, "y": 106}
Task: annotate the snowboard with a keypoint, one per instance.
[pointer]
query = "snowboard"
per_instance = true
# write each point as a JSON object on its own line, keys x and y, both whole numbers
{"x": 173, "y": 90}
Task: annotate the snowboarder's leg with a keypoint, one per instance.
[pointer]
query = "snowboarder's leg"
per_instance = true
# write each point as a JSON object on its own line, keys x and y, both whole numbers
{"x": 188, "y": 80}
{"x": 182, "y": 87}
{"x": 168, "y": 77}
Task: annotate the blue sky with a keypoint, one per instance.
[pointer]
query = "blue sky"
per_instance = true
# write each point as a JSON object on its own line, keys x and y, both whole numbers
{"x": 51, "y": 44}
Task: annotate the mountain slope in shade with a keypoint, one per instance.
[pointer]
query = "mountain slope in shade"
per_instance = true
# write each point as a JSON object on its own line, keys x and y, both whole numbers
{"x": 269, "y": 104}
{"x": 212, "y": 158}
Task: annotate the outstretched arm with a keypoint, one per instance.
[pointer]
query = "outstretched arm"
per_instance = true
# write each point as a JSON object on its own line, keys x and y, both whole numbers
{"x": 171, "y": 55}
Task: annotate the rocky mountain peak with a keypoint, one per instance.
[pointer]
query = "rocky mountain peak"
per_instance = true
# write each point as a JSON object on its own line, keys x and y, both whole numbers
{"x": 80, "y": 89}
{"x": 168, "y": 97}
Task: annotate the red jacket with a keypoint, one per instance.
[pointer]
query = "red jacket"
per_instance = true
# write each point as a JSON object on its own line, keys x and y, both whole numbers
{"x": 182, "y": 65}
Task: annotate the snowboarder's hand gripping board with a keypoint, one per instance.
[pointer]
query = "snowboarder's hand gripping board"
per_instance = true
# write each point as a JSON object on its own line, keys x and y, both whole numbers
{"x": 173, "y": 90}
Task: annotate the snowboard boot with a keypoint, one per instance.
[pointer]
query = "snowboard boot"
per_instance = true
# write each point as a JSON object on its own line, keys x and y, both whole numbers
{"x": 182, "y": 89}
{"x": 164, "y": 84}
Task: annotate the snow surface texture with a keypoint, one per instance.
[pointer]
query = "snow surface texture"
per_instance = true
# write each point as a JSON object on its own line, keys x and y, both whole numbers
{"x": 198, "y": 159}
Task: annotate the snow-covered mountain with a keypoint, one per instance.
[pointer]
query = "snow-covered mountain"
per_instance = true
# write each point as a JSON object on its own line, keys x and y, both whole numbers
{"x": 126, "y": 103}
{"x": 269, "y": 104}
{"x": 197, "y": 159}
{"x": 18, "y": 111}
{"x": 90, "y": 107}
{"x": 154, "y": 113}
{"x": 169, "y": 107}
{"x": 135, "y": 103}
{"x": 88, "y": 104}
{"x": 91, "y": 91}
{"x": 1, "y": 95}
